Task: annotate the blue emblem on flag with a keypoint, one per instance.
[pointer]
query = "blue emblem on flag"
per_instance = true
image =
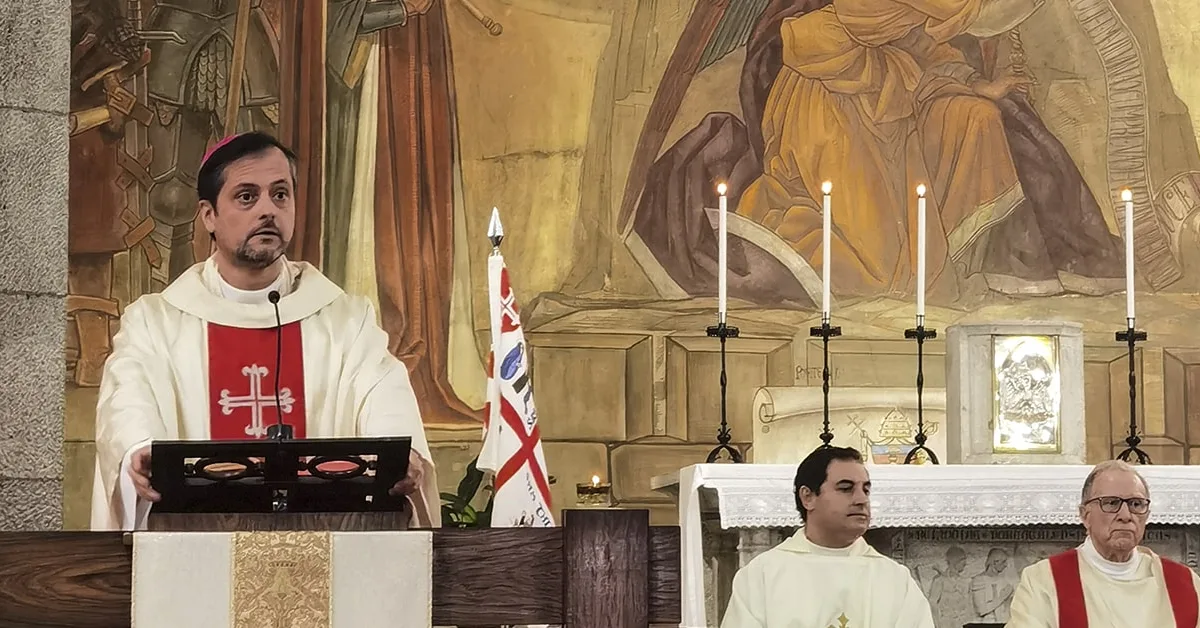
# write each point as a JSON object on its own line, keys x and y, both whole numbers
{"x": 512, "y": 363}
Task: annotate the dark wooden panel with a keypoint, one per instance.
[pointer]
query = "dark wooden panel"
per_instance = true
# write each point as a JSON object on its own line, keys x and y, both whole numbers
{"x": 606, "y": 568}
{"x": 480, "y": 577}
{"x": 497, "y": 576}
{"x": 75, "y": 579}
{"x": 283, "y": 521}
{"x": 666, "y": 597}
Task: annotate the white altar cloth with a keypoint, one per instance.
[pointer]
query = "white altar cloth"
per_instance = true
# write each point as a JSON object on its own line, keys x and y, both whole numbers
{"x": 250, "y": 579}
{"x": 907, "y": 496}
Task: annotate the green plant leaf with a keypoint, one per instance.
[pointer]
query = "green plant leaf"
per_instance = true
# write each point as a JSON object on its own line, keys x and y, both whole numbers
{"x": 469, "y": 485}
{"x": 485, "y": 515}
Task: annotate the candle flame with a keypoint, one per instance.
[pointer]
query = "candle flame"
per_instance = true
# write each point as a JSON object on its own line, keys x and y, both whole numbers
{"x": 827, "y": 187}
{"x": 595, "y": 480}
{"x": 1126, "y": 195}
{"x": 721, "y": 189}
{"x": 921, "y": 190}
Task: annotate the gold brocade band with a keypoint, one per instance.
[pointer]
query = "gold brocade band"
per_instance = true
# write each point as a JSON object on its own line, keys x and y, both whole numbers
{"x": 281, "y": 580}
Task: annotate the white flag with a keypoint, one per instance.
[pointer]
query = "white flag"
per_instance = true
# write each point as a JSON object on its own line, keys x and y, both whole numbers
{"x": 512, "y": 442}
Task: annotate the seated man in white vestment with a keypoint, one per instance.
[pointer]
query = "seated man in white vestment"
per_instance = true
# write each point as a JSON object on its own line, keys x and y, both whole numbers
{"x": 826, "y": 574}
{"x": 195, "y": 362}
{"x": 1109, "y": 581}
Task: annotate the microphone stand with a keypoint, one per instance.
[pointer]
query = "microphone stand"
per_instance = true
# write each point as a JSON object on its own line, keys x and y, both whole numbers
{"x": 281, "y": 430}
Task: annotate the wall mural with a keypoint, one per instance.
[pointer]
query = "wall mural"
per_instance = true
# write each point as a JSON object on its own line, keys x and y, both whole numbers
{"x": 600, "y": 128}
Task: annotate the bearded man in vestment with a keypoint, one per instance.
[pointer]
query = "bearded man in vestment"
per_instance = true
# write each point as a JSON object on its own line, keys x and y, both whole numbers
{"x": 1110, "y": 581}
{"x": 182, "y": 357}
{"x": 826, "y": 574}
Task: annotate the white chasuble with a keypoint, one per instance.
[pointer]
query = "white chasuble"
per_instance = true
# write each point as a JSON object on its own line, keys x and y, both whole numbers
{"x": 190, "y": 364}
{"x": 799, "y": 584}
{"x": 294, "y": 579}
{"x": 1084, "y": 596}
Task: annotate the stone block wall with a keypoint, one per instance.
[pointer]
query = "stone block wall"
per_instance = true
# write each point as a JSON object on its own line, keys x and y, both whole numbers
{"x": 631, "y": 404}
{"x": 34, "y": 63}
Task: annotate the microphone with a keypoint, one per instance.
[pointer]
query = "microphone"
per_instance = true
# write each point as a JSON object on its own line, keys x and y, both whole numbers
{"x": 281, "y": 430}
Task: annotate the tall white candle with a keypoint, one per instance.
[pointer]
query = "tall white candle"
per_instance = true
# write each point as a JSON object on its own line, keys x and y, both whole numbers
{"x": 826, "y": 228}
{"x": 723, "y": 256}
{"x": 1127, "y": 196}
{"x": 921, "y": 251}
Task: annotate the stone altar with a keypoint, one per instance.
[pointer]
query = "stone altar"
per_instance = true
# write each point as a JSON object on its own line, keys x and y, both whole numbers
{"x": 965, "y": 531}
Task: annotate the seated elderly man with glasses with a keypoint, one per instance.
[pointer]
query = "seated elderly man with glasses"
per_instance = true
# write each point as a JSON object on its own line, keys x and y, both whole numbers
{"x": 1109, "y": 580}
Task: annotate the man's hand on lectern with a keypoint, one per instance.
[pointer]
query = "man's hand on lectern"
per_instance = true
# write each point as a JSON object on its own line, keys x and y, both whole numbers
{"x": 416, "y": 470}
{"x": 139, "y": 470}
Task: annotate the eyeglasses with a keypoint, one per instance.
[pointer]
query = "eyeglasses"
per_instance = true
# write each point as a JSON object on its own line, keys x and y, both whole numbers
{"x": 1137, "y": 505}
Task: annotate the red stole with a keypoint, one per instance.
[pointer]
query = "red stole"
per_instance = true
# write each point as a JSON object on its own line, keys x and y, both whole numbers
{"x": 1068, "y": 586}
{"x": 241, "y": 381}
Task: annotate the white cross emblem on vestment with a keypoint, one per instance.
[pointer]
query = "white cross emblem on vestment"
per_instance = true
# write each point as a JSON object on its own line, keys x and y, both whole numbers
{"x": 256, "y": 400}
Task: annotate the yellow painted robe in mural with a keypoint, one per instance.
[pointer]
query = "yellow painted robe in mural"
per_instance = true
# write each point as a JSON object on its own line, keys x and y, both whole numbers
{"x": 798, "y": 584}
{"x": 155, "y": 383}
{"x": 872, "y": 98}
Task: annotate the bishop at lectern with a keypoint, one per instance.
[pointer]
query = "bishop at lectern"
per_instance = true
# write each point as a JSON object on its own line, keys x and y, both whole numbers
{"x": 245, "y": 340}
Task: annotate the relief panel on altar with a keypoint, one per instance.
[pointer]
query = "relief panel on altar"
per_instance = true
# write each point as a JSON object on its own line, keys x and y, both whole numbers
{"x": 969, "y": 575}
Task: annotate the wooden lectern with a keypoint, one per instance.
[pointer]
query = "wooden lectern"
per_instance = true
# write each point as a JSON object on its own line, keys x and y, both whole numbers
{"x": 603, "y": 568}
{"x": 336, "y": 484}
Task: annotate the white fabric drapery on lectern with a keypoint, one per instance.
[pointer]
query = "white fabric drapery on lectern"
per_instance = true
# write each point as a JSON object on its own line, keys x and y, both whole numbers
{"x": 254, "y": 579}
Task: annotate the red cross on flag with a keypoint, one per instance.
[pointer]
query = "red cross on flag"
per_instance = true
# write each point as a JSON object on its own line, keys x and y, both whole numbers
{"x": 512, "y": 443}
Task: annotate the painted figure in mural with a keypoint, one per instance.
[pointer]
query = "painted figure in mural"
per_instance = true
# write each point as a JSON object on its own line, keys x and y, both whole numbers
{"x": 878, "y": 96}
{"x": 846, "y": 582}
{"x": 1111, "y": 580}
{"x": 189, "y": 82}
{"x": 349, "y": 23}
{"x": 191, "y": 85}
{"x": 107, "y": 51}
{"x": 391, "y": 165}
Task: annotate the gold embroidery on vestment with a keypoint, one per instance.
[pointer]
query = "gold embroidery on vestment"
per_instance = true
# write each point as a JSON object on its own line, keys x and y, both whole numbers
{"x": 842, "y": 622}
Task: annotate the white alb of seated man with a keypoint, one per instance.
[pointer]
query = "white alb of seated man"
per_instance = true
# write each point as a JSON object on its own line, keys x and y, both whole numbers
{"x": 1110, "y": 580}
{"x": 826, "y": 574}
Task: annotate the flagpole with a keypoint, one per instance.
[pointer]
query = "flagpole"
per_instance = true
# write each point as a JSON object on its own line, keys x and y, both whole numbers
{"x": 495, "y": 234}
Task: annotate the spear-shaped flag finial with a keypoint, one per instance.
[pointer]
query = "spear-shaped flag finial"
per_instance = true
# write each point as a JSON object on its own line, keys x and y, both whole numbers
{"x": 495, "y": 229}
